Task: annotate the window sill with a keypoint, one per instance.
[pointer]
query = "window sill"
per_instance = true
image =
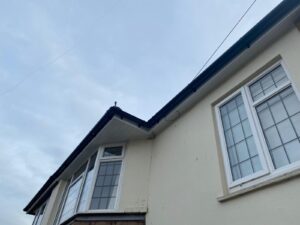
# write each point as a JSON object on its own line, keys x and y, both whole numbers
{"x": 261, "y": 185}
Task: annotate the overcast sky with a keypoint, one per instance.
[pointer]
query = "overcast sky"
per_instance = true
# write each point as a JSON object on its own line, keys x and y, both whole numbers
{"x": 64, "y": 63}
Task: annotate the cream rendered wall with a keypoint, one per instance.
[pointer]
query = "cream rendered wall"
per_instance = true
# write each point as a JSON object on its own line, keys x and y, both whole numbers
{"x": 134, "y": 182}
{"x": 53, "y": 203}
{"x": 186, "y": 177}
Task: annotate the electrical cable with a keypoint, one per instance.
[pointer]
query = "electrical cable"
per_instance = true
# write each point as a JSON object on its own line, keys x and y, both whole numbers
{"x": 226, "y": 37}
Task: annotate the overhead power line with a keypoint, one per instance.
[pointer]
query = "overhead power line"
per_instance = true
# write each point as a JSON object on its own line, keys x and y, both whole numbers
{"x": 20, "y": 82}
{"x": 48, "y": 63}
{"x": 226, "y": 37}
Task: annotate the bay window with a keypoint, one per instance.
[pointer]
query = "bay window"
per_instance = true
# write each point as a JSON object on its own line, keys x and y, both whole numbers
{"x": 91, "y": 190}
{"x": 259, "y": 127}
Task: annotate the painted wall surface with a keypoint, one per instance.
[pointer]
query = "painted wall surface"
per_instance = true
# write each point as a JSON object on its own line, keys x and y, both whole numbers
{"x": 186, "y": 177}
{"x": 54, "y": 203}
{"x": 134, "y": 184}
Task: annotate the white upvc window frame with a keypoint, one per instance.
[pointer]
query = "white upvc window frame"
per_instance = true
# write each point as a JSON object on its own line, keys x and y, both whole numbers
{"x": 38, "y": 213}
{"x": 99, "y": 158}
{"x": 268, "y": 171}
{"x": 72, "y": 182}
{"x": 231, "y": 183}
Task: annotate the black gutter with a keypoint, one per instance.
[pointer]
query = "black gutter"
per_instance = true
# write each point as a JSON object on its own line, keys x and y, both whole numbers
{"x": 277, "y": 14}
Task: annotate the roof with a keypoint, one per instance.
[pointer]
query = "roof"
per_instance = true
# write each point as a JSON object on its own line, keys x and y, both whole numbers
{"x": 261, "y": 28}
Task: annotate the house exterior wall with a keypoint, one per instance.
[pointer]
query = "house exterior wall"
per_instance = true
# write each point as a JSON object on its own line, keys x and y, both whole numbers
{"x": 187, "y": 175}
{"x": 54, "y": 203}
{"x": 134, "y": 184}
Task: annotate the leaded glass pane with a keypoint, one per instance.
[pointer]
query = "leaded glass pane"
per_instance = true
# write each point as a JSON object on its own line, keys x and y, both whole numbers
{"x": 284, "y": 118}
{"x": 240, "y": 144}
{"x": 105, "y": 191}
{"x": 268, "y": 83}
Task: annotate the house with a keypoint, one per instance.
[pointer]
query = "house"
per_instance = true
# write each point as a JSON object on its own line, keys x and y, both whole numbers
{"x": 225, "y": 150}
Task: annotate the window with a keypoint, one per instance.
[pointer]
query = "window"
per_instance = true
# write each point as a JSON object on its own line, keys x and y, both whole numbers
{"x": 69, "y": 207}
{"x": 106, "y": 187}
{"x": 89, "y": 190}
{"x": 241, "y": 148}
{"x": 39, "y": 215}
{"x": 87, "y": 185}
{"x": 260, "y": 128}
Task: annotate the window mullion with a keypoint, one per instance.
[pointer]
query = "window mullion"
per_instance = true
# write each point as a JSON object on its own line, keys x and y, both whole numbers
{"x": 271, "y": 94}
{"x": 258, "y": 129}
{"x": 254, "y": 124}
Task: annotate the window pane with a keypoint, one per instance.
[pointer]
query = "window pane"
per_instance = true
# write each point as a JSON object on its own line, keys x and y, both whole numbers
{"x": 242, "y": 151}
{"x": 291, "y": 103}
{"x": 234, "y": 117}
{"x": 87, "y": 185}
{"x": 86, "y": 188}
{"x": 239, "y": 139}
{"x": 266, "y": 118}
{"x": 256, "y": 90}
{"x": 296, "y": 122}
{"x": 252, "y": 146}
{"x": 112, "y": 151}
{"x": 106, "y": 185}
{"x": 283, "y": 137}
{"x": 279, "y": 157}
{"x": 226, "y": 122}
{"x": 286, "y": 131}
{"x": 232, "y": 156}
{"x": 268, "y": 83}
{"x": 293, "y": 150}
{"x": 71, "y": 199}
{"x": 278, "y": 111}
{"x": 238, "y": 134}
{"x": 279, "y": 74}
{"x": 247, "y": 128}
{"x": 107, "y": 180}
{"x": 94, "y": 203}
{"x": 111, "y": 203}
{"x": 229, "y": 138}
{"x": 235, "y": 173}
{"x": 246, "y": 168}
{"x": 272, "y": 136}
{"x": 242, "y": 112}
{"x": 256, "y": 163}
